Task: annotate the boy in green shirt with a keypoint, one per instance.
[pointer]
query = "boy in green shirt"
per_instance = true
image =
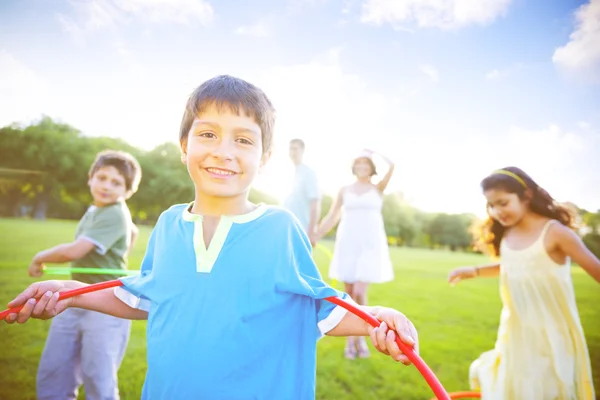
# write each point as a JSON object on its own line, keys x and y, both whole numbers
{"x": 86, "y": 347}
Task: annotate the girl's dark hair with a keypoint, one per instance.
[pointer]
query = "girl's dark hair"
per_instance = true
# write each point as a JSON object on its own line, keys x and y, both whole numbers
{"x": 514, "y": 180}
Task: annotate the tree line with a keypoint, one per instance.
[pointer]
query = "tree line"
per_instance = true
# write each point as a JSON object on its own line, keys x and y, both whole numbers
{"x": 43, "y": 174}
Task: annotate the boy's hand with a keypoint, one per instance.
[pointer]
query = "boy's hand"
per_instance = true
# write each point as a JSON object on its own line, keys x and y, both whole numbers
{"x": 459, "y": 274}
{"x": 393, "y": 323}
{"x": 314, "y": 238}
{"x": 36, "y": 269}
{"x": 40, "y": 301}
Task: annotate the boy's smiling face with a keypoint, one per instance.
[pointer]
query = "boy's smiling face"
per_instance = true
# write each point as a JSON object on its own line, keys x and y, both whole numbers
{"x": 107, "y": 186}
{"x": 223, "y": 152}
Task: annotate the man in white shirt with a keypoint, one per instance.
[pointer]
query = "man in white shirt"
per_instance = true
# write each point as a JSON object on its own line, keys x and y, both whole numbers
{"x": 304, "y": 200}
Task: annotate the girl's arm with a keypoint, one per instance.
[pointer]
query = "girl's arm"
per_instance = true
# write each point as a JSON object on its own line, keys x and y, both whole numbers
{"x": 459, "y": 274}
{"x": 488, "y": 271}
{"x": 332, "y": 217}
{"x": 573, "y": 247}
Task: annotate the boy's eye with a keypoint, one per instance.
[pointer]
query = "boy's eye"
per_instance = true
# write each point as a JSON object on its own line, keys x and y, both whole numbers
{"x": 207, "y": 134}
{"x": 245, "y": 141}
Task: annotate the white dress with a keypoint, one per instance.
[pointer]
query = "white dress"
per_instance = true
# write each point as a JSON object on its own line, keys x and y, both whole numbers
{"x": 361, "y": 252}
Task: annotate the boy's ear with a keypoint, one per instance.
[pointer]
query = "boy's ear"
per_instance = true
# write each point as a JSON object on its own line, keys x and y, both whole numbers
{"x": 183, "y": 146}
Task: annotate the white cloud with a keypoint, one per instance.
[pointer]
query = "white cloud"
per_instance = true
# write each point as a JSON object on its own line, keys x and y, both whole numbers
{"x": 299, "y": 5}
{"x": 500, "y": 73}
{"x": 178, "y": 11}
{"x": 493, "y": 74}
{"x": 430, "y": 71}
{"x": 99, "y": 14}
{"x": 581, "y": 55}
{"x": 260, "y": 29}
{"x": 24, "y": 92}
{"x": 129, "y": 58}
{"x": 584, "y": 125}
{"x": 71, "y": 27}
{"x": 443, "y": 14}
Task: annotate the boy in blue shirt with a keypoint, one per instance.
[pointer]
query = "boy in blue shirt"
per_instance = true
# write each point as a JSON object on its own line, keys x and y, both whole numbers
{"x": 234, "y": 302}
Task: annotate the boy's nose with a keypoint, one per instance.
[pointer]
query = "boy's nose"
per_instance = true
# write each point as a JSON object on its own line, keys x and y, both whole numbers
{"x": 224, "y": 150}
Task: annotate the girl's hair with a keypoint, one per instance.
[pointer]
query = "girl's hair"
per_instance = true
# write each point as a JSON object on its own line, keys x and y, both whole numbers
{"x": 369, "y": 161}
{"x": 514, "y": 180}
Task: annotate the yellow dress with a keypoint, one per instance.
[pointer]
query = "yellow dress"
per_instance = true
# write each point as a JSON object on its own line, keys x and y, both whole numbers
{"x": 540, "y": 352}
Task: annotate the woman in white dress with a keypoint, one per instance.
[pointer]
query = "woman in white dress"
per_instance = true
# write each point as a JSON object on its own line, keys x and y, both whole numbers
{"x": 361, "y": 254}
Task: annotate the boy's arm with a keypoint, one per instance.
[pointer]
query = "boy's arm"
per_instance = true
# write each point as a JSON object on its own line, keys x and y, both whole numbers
{"x": 392, "y": 322}
{"x": 60, "y": 254}
{"x": 65, "y": 252}
{"x": 106, "y": 302}
{"x": 40, "y": 300}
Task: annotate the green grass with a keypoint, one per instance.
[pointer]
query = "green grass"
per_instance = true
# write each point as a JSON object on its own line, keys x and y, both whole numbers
{"x": 455, "y": 324}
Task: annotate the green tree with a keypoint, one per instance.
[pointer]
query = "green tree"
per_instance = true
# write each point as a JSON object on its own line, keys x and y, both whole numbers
{"x": 451, "y": 230}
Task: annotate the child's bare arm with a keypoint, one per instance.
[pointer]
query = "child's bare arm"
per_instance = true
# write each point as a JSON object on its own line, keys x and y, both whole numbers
{"x": 60, "y": 254}
{"x": 462, "y": 273}
{"x": 382, "y": 185}
{"x": 332, "y": 217}
{"x": 65, "y": 252}
{"x": 572, "y": 246}
{"x": 40, "y": 301}
{"x": 392, "y": 322}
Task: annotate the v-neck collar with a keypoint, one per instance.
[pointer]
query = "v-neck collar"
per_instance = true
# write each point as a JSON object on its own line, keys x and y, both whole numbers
{"x": 238, "y": 219}
{"x": 206, "y": 257}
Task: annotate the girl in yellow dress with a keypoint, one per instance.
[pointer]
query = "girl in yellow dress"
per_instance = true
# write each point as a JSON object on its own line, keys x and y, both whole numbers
{"x": 540, "y": 351}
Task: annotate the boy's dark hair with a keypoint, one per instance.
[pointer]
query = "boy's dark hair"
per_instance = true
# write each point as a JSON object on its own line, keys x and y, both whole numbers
{"x": 540, "y": 202}
{"x": 299, "y": 142}
{"x": 236, "y": 95}
{"x": 124, "y": 162}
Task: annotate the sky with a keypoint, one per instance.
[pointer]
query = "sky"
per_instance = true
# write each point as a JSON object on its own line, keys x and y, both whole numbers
{"x": 450, "y": 90}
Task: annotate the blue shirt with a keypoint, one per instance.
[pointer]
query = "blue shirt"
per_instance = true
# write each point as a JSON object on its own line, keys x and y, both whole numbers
{"x": 305, "y": 189}
{"x": 239, "y": 320}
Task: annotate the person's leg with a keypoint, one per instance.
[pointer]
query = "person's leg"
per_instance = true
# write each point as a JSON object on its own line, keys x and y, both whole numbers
{"x": 104, "y": 344}
{"x": 59, "y": 372}
{"x": 360, "y": 293}
{"x": 350, "y": 350}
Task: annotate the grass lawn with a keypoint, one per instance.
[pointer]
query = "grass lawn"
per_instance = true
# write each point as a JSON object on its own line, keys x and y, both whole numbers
{"x": 455, "y": 324}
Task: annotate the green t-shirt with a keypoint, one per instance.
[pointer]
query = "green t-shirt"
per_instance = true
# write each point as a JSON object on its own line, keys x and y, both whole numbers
{"x": 109, "y": 228}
